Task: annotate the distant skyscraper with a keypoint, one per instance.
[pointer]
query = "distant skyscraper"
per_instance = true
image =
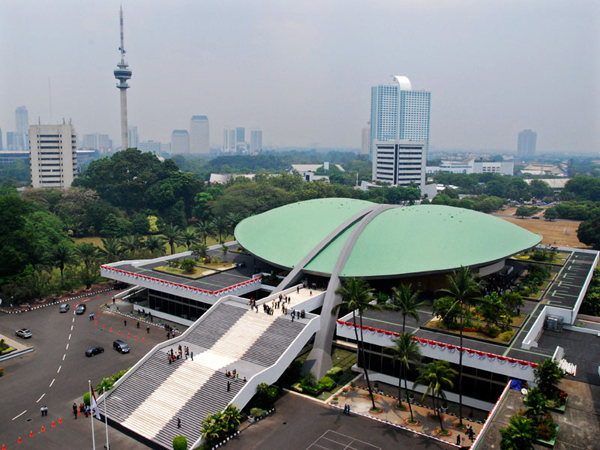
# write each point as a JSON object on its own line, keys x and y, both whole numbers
{"x": 527, "y": 144}
{"x": 123, "y": 74}
{"x": 132, "y": 137}
{"x": 365, "y": 140}
{"x": 399, "y": 112}
{"x": 21, "y": 141}
{"x": 53, "y": 159}
{"x": 240, "y": 135}
{"x": 255, "y": 141}
{"x": 1, "y": 147}
{"x": 12, "y": 140}
{"x": 96, "y": 141}
{"x": 150, "y": 146}
{"x": 229, "y": 141}
{"x": 199, "y": 136}
{"x": 180, "y": 142}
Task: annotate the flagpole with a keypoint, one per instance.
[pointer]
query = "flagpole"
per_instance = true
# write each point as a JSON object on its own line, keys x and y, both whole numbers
{"x": 92, "y": 417}
{"x": 106, "y": 419}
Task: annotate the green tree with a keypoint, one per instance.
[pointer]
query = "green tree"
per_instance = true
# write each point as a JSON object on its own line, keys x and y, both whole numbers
{"x": 111, "y": 250}
{"x": 520, "y": 434}
{"x": 61, "y": 255}
{"x": 512, "y": 301}
{"x": 188, "y": 265}
{"x": 189, "y": 237}
{"x": 464, "y": 287}
{"x": 172, "y": 235}
{"x": 589, "y": 233}
{"x": 180, "y": 443}
{"x": 436, "y": 375}
{"x": 206, "y": 230}
{"x": 404, "y": 299}
{"x": 550, "y": 214}
{"x": 155, "y": 245}
{"x": 406, "y": 351}
{"x": 548, "y": 376}
{"x": 221, "y": 227}
{"x": 535, "y": 403}
{"x": 199, "y": 251}
{"x": 87, "y": 253}
{"x": 130, "y": 245}
{"x": 357, "y": 297}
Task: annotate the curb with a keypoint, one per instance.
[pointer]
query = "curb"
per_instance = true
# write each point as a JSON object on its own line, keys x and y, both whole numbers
{"x": 54, "y": 303}
{"x": 17, "y": 353}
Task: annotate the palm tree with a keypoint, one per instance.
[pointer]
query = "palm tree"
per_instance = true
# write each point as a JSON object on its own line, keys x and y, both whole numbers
{"x": 464, "y": 287}
{"x": 111, "y": 250}
{"x": 357, "y": 297}
{"x": 519, "y": 434}
{"x": 404, "y": 299}
{"x": 232, "y": 418}
{"x": 405, "y": 350}
{"x": 199, "y": 251}
{"x": 547, "y": 377}
{"x": 130, "y": 245}
{"x": 155, "y": 245}
{"x": 436, "y": 375}
{"x": 206, "y": 229}
{"x": 233, "y": 219}
{"x": 61, "y": 255}
{"x": 221, "y": 227}
{"x": 189, "y": 237}
{"x": 172, "y": 235}
{"x": 88, "y": 253}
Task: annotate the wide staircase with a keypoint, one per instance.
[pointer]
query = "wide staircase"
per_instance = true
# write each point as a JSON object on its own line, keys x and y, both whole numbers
{"x": 150, "y": 398}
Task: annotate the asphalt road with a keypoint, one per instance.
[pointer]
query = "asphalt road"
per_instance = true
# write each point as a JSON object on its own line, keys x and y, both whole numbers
{"x": 56, "y": 374}
{"x": 303, "y": 424}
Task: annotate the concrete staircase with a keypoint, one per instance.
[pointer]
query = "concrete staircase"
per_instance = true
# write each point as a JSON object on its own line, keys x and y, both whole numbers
{"x": 150, "y": 398}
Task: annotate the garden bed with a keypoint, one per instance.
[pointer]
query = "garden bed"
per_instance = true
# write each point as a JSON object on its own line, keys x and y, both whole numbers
{"x": 553, "y": 406}
{"x": 198, "y": 272}
{"x": 435, "y": 325}
{"x": 551, "y": 442}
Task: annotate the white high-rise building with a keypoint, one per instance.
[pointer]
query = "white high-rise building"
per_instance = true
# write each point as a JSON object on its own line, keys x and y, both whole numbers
{"x": 527, "y": 143}
{"x": 199, "y": 136}
{"x": 399, "y": 112}
{"x": 399, "y": 162}
{"x": 180, "y": 142}
{"x": 229, "y": 140}
{"x": 365, "y": 140}
{"x": 255, "y": 141}
{"x": 150, "y": 146}
{"x": 132, "y": 137}
{"x": 53, "y": 159}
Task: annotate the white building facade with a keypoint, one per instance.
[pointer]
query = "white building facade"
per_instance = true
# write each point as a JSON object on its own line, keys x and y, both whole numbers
{"x": 180, "y": 142}
{"x": 527, "y": 144}
{"x": 53, "y": 159}
{"x": 399, "y": 112}
{"x": 200, "y": 136}
{"x": 256, "y": 144}
{"x": 399, "y": 162}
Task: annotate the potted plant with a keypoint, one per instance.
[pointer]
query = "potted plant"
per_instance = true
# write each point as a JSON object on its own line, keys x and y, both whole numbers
{"x": 335, "y": 400}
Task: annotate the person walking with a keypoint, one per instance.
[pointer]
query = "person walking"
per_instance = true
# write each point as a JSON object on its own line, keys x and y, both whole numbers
{"x": 458, "y": 439}
{"x": 75, "y": 410}
{"x": 178, "y": 422}
{"x": 138, "y": 325}
{"x": 147, "y": 330}
{"x": 42, "y": 411}
{"x": 192, "y": 355}
{"x": 124, "y": 323}
{"x": 228, "y": 386}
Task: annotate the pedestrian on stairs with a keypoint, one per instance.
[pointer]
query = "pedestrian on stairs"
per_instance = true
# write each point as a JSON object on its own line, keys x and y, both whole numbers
{"x": 124, "y": 323}
{"x": 178, "y": 422}
{"x": 228, "y": 386}
{"x": 192, "y": 355}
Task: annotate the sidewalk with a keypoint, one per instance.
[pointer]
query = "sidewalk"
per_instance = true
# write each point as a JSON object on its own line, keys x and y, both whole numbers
{"x": 359, "y": 404}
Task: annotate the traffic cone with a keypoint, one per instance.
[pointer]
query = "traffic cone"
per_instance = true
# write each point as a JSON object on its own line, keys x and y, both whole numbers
{"x": 31, "y": 434}
{"x": 103, "y": 326}
{"x": 53, "y": 423}
{"x": 19, "y": 441}
{"x": 98, "y": 296}
{"x": 43, "y": 429}
{"x": 3, "y": 447}
{"x": 99, "y": 313}
{"x": 88, "y": 299}
{"x": 143, "y": 339}
{"x": 128, "y": 335}
{"x": 135, "y": 338}
{"x": 107, "y": 293}
{"x": 119, "y": 331}
{"x": 117, "y": 291}
{"x": 60, "y": 420}
{"x": 111, "y": 329}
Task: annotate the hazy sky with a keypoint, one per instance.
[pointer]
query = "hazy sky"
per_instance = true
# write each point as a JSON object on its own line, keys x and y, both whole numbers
{"x": 302, "y": 70}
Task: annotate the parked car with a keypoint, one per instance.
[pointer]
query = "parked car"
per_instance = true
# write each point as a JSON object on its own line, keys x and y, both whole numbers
{"x": 24, "y": 333}
{"x": 64, "y": 308}
{"x": 80, "y": 309}
{"x": 93, "y": 351}
{"x": 120, "y": 346}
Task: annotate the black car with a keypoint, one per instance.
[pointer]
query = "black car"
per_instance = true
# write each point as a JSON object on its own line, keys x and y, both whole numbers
{"x": 120, "y": 346}
{"x": 23, "y": 333}
{"x": 80, "y": 309}
{"x": 94, "y": 351}
{"x": 64, "y": 308}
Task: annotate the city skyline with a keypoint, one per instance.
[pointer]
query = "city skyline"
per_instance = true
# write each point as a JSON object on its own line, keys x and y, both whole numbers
{"x": 289, "y": 69}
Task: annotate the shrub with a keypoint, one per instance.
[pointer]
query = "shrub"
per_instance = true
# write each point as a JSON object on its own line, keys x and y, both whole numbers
{"x": 86, "y": 399}
{"x": 180, "y": 443}
{"x": 493, "y": 331}
{"x": 327, "y": 383}
{"x": 539, "y": 255}
{"x": 265, "y": 396}
{"x": 309, "y": 380}
{"x": 116, "y": 376}
{"x": 188, "y": 265}
{"x": 335, "y": 373}
{"x": 257, "y": 413}
{"x": 507, "y": 336}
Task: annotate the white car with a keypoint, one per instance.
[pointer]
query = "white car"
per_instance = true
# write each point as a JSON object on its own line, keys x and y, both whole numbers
{"x": 23, "y": 333}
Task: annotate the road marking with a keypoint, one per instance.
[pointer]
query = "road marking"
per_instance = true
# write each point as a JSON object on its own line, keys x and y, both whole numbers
{"x": 16, "y": 417}
{"x": 71, "y": 327}
{"x": 52, "y": 382}
{"x": 69, "y": 336}
{"x": 67, "y": 347}
{"x": 58, "y": 371}
{"x": 73, "y": 319}
{"x": 38, "y": 400}
{"x": 64, "y": 356}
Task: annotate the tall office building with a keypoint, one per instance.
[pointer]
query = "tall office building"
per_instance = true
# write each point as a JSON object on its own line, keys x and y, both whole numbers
{"x": 1, "y": 147}
{"x": 240, "y": 135}
{"x": 96, "y": 141}
{"x": 399, "y": 162}
{"x": 21, "y": 128}
{"x": 229, "y": 141}
{"x": 199, "y": 136}
{"x": 526, "y": 144}
{"x": 399, "y": 112}
{"x": 365, "y": 140}
{"x": 132, "y": 137}
{"x": 255, "y": 141}
{"x": 180, "y": 142}
{"x": 53, "y": 159}
{"x": 150, "y": 146}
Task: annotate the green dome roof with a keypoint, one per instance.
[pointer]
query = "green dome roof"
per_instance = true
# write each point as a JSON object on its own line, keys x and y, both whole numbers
{"x": 398, "y": 241}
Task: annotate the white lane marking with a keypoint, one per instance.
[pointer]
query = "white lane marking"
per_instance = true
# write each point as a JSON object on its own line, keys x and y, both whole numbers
{"x": 58, "y": 371}
{"x": 16, "y": 417}
{"x": 64, "y": 356}
{"x": 69, "y": 337}
{"x": 38, "y": 400}
{"x": 73, "y": 319}
{"x": 67, "y": 347}
{"x": 71, "y": 327}
{"x": 52, "y": 382}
